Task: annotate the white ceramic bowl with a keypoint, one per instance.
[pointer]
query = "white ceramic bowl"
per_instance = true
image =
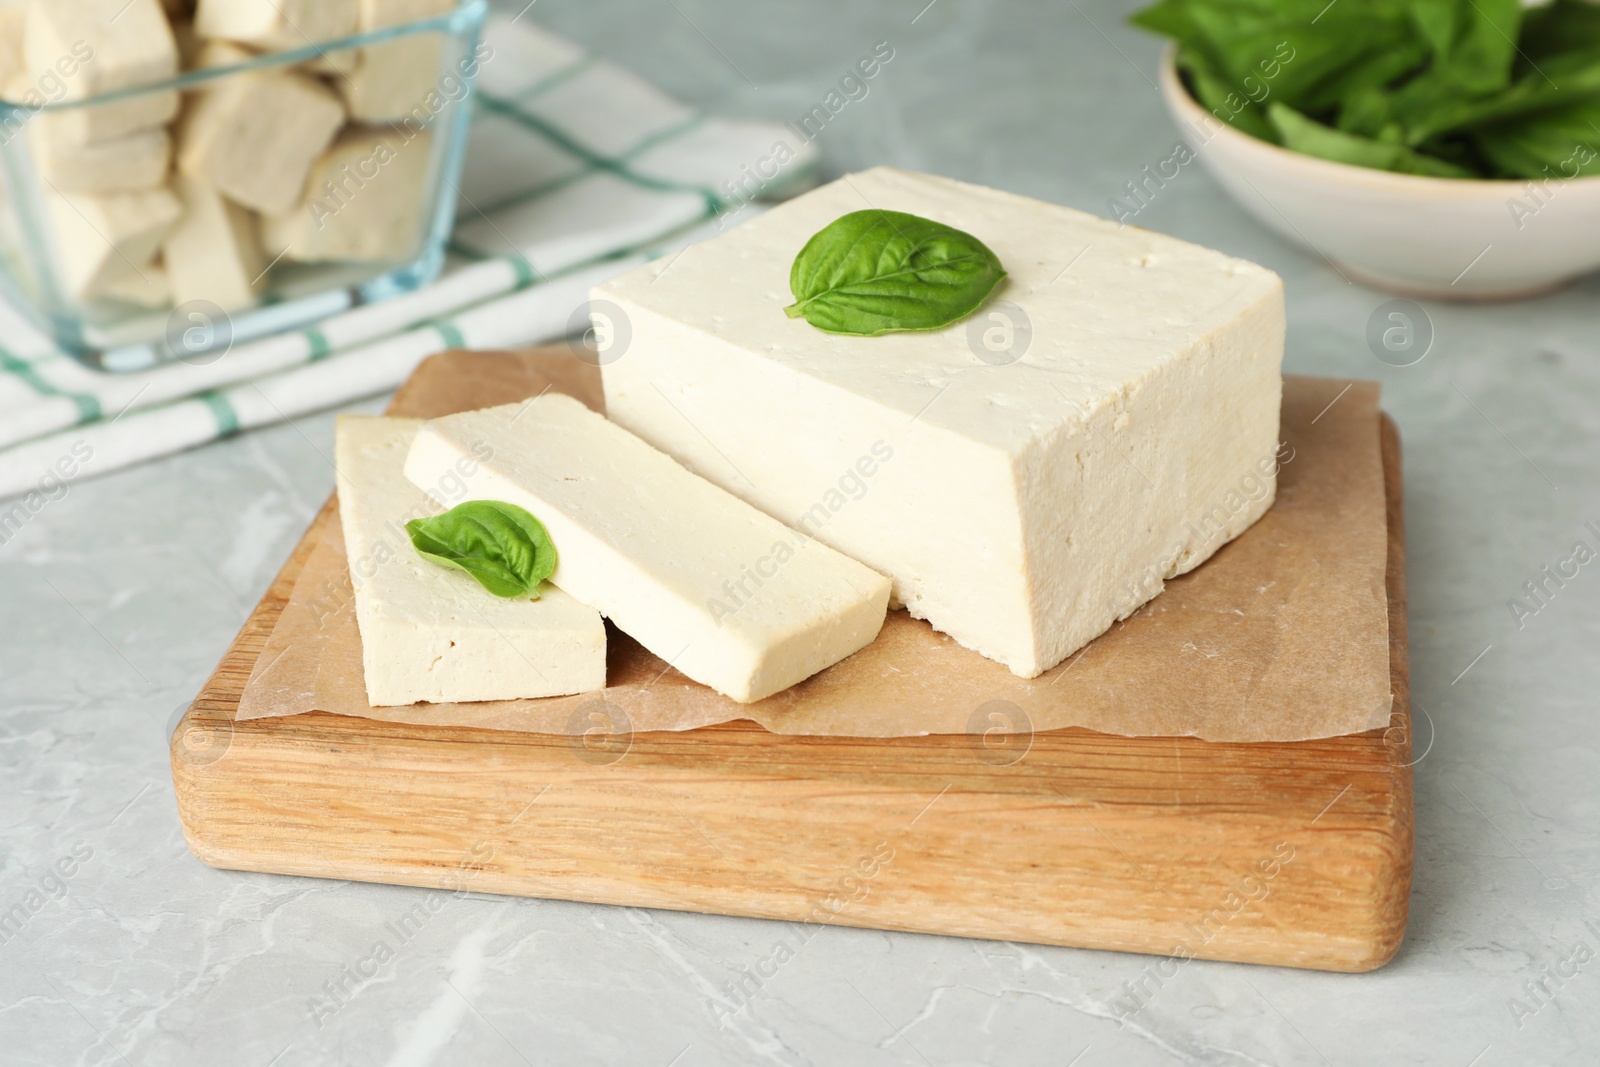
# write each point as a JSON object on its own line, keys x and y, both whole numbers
{"x": 1437, "y": 237}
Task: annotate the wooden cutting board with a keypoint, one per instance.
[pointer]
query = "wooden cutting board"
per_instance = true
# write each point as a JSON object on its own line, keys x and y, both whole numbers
{"x": 1296, "y": 854}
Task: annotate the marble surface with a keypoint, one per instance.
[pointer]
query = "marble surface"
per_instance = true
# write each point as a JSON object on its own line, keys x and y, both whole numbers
{"x": 116, "y": 600}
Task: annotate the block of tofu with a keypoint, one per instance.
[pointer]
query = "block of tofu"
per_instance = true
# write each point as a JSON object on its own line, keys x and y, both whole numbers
{"x": 363, "y": 200}
{"x": 107, "y": 45}
{"x": 279, "y": 25}
{"x": 394, "y": 77}
{"x": 254, "y": 136}
{"x": 134, "y": 161}
{"x": 214, "y": 253}
{"x": 730, "y": 597}
{"x": 433, "y": 634}
{"x": 99, "y": 239}
{"x": 1027, "y": 476}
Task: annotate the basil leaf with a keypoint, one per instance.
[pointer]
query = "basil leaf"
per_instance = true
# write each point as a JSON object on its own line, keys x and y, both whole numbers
{"x": 1304, "y": 135}
{"x": 1400, "y": 57}
{"x": 1218, "y": 97}
{"x": 1370, "y": 113}
{"x": 1429, "y": 108}
{"x": 1559, "y": 143}
{"x": 1474, "y": 45}
{"x": 506, "y": 549}
{"x": 1561, "y": 27}
{"x": 875, "y": 272}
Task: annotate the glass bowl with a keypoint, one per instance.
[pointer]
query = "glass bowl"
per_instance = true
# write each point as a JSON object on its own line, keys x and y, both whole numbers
{"x": 253, "y": 193}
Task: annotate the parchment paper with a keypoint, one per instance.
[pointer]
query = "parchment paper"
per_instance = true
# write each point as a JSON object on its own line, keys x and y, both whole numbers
{"x": 1283, "y": 635}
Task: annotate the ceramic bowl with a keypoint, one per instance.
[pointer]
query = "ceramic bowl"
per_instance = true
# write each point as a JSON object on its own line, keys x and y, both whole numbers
{"x": 1434, "y": 237}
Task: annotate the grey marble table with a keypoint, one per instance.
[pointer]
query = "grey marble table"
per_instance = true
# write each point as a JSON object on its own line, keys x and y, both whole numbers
{"x": 117, "y": 599}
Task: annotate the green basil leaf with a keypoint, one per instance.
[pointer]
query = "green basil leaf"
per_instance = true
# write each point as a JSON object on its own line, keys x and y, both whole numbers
{"x": 1369, "y": 113}
{"x": 1429, "y": 107}
{"x": 1400, "y": 55}
{"x": 1217, "y": 97}
{"x": 1561, "y": 143}
{"x": 1473, "y": 44}
{"x": 502, "y": 546}
{"x": 1304, "y": 135}
{"x": 1564, "y": 26}
{"x": 875, "y": 272}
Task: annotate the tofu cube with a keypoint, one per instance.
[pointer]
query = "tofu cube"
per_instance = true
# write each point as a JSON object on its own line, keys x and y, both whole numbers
{"x": 728, "y": 596}
{"x": 149, "y": 287}
{"x": 393, "y": 78}
{"x": 98, "y": 46}
{"x": 214, "y": 253}
{"x": 13, "y": 65}
{"x": 134, "y": 161}
{"x": 1027, "y": 476}
{"x": 277, "y": 25}
{"x": 253, "y": 137}
{"x": 101, "y": 239}
{"x": 433, "y": 634}
{"x": 363, "y": 201}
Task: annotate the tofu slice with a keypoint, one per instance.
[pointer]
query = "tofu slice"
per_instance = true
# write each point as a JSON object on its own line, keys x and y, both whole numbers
{"x": 214, "y": 253}
{"x": 363, "y": 200}
{"x": 393, "y": 78}
{"x": 254, "y": 137}
{"x": 135, "y": 161}
{"x": 727, "y": 595}
{"x": 110, "y": 44}
{"x": 1027, "y": 476}
{"x": 100, "y": 239}
{"x": 432, "y": 634}
{"x": 278, "y": 25}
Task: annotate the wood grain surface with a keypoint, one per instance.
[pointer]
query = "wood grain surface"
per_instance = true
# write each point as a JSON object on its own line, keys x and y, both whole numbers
{"x": 1296, "y": 854}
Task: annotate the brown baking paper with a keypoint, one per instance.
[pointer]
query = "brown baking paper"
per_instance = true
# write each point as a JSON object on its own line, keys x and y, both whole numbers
{"x": 1283, "y": 635}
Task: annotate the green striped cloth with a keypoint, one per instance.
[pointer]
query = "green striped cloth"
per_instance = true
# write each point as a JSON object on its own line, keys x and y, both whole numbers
{"x": 576, "y": 170}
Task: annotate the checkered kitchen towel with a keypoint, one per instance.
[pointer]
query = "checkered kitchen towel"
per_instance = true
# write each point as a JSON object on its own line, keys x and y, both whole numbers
{"x": 576, "y": 170}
